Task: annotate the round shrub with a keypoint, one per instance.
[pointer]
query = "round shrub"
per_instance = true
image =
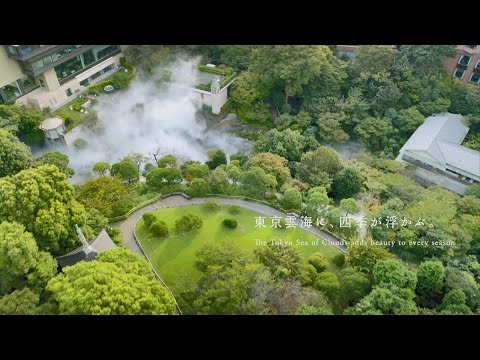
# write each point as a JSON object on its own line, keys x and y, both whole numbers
{"x": 318, "y": 261}
{"x": 234, "y": 209}
{"x": 282, "y": 223}
{"x": 212, "y": 205}
{"x": 339, "y": 260}
{"x": 80, "y": 144}
{"x": 149, "y": 218}
{"x": 159, "y": 228}
{"x": 230, "y": 223}
{"x": 188, "y": 222}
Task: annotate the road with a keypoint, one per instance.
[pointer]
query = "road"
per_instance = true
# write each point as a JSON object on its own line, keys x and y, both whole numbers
{"x": 127, "y": 226}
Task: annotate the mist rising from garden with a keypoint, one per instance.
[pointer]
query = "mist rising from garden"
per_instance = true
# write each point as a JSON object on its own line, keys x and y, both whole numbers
{"x": 144, "y": 119}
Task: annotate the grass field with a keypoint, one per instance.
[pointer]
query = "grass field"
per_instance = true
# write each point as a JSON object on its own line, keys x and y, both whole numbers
{"x": 174, "y": 256}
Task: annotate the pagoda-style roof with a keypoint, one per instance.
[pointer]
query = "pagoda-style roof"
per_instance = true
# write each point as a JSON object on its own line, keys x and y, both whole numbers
{"x": 88, "y": 251}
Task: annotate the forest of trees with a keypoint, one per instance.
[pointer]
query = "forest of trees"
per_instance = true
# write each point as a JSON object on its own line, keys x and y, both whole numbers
{"x": 305, "y": 98}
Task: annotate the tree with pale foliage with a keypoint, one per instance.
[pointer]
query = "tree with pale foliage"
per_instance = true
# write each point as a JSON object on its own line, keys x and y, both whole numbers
{"x": 101, "y": 168}
{"x": 273, "y": 164}
{"x": 116, "y": 283}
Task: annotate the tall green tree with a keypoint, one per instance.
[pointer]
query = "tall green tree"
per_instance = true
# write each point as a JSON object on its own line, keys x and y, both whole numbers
{"x": 126, "y": 170}
{"x": 394, "y": 272}
{"x": 292, "y": 199}
{"x": 19, "y": 302}
{"x": 43, "y": 201}
{"x": 364, "y": 257}
{"x": 289, "y": 67}
{"x": 374, "y": 132}
{"x": 373, "y": 59}
{"x": 15, "y": 155}
{"x": 354, "y": 285}
{"x": 386, "y": 301}
{"x": 216, "y": 157}
{"x": 287, "y": 143}
{"x": 348, "y": 182}
{"x": 282, "y": 261}
{"x": 319, "y": 167}
{"x": 161, "y": 177}
{"x": 218, "y": 181}
{"x": 102, "y": 194}
{"x": 55, "y": 158}
{"x": 21, "y": 263}
{"x": 330, "y": 127}
{"x": 113, "y": 284}
{"x": 426, "y": 59}
{"x": 272, "y": 164}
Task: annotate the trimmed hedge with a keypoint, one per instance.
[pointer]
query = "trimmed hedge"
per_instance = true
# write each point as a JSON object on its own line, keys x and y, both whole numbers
{"x": 225, "y": 81}
{"x": 230, "y": 223}
{"x": 205, "y": 68}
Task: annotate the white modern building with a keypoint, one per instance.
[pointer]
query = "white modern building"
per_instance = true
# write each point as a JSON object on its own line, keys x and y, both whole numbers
{"x": 436, "y": 152}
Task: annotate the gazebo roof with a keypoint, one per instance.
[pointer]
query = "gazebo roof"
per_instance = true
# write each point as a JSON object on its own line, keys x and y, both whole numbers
{"x": 51, "y": 123}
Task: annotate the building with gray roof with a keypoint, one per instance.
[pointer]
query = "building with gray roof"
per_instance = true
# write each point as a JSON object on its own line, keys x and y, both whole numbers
{"x": 435, "y": 150}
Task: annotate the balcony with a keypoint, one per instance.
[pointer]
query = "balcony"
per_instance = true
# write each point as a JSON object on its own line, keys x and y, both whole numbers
{"x": 25, "y": 52}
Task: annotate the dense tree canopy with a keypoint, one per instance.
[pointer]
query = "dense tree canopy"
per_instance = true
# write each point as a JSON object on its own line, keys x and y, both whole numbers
{"x": 116, "y": 283}
{"x": 43, "y": 201}
{"x": 21, "y": 263}
{"x": 102, "y": 194}
{"x": 15, "y": 156}
{"x": 55, "y": 158}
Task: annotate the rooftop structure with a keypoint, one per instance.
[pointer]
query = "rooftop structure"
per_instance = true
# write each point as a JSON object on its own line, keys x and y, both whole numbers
{"x": 436, "y": 147}
{"x": 88, "y": 251}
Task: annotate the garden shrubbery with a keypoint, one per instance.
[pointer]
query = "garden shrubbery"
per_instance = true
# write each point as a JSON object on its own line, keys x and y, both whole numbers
{"x": 121, "y": 207}
{"x": 159, "y": 228}
{"x": 212, "y": 205}
{"x": 188, "y": 222}
{"x": 230, "y": 223}
{"x": 149, "y": 218}
{"x": 318, "y": 261}
{"x": 339, "y": 260}
{"x": 234, "y": 209}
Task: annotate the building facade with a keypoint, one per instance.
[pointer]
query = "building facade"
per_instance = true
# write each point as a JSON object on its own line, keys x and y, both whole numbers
{"x": 50, "y": 75}
{"x": 465, "y": 66}
{"x": 436, "y": 152}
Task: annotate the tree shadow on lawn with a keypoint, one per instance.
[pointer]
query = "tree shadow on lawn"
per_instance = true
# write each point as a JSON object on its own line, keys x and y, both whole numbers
{"x": 173, "y": 245}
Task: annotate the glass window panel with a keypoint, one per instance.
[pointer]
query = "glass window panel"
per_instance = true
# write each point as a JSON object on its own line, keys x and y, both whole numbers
{"x": 12, "y": 91}
{"x": 459, "y": 73}
{"x": 464, "y": 60}
{"x": 475, "y": 78}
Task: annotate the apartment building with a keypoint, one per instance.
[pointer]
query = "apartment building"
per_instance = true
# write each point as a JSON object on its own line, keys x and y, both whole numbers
{"x": 50, "y": 75}
{"x": 466, "y": 65}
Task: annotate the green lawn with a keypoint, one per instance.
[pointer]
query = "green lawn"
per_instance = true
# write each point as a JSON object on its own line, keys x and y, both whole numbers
{"x": 173, "y": 257}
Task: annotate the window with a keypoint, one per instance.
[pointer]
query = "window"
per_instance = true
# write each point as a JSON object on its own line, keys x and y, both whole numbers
{"x": 478, "y": 65}
{"x": 12, "y": 91}
{"x": 459, "y": 73}
{"x": 464, "y": 60}
{"x": 84, "y": 83}
{"x": 69, "y": 92}
{"x": 12, "y": 49}
{"x": 41, "y": 82}
{"x": 475, "y": 78}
